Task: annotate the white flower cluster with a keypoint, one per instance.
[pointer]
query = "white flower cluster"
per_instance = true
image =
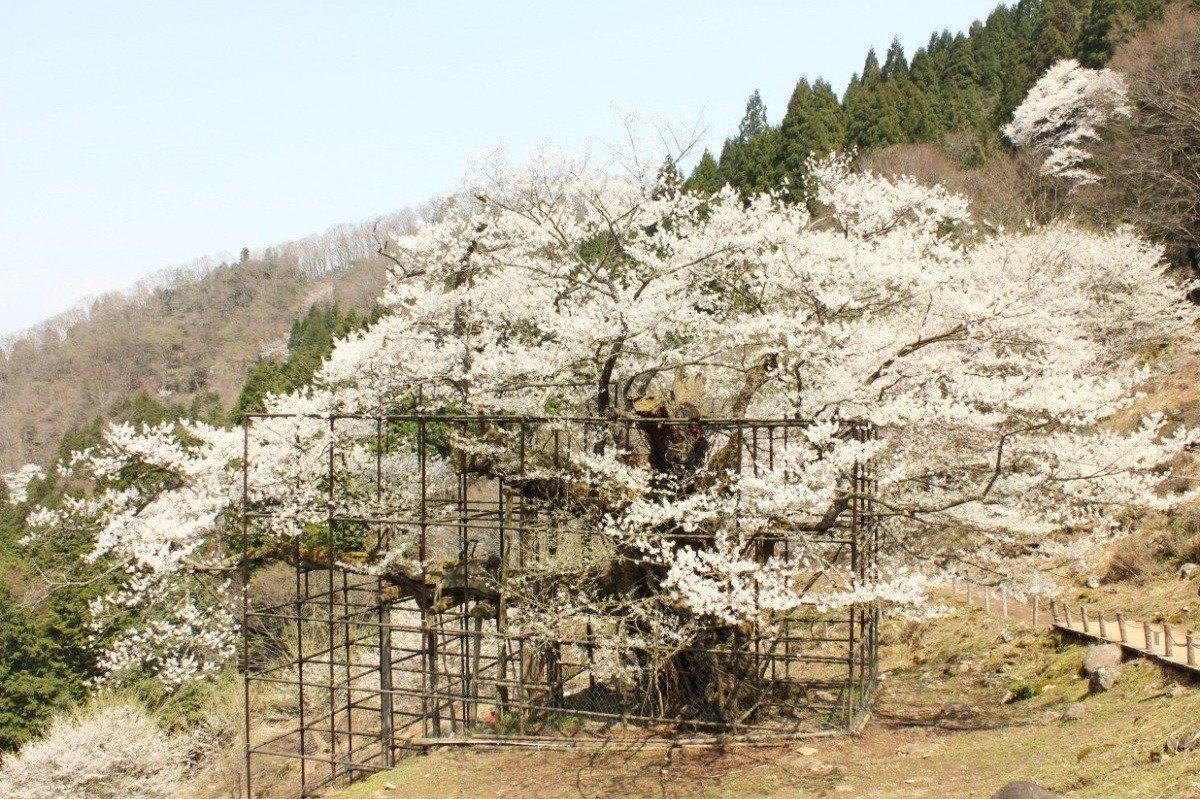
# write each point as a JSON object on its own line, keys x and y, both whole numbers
{"x": 113, "y": 751}
{"x": 1064, "y": 112}
{"x": 18, "y": 482}
{"x": 985, "y": 361}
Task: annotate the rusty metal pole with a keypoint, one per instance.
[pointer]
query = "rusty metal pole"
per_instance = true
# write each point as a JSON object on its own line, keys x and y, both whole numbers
{"x": 245, "y": 576}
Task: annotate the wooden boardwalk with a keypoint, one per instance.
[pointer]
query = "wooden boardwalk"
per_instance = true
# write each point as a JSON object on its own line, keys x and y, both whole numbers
{"x": 1165, "y": 643}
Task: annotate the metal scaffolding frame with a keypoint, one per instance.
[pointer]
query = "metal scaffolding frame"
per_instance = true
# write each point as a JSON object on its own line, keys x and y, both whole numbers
{"x": 377, "y": 668}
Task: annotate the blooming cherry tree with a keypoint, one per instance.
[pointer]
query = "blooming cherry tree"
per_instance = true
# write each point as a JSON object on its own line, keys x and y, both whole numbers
{"x": 986, "y": 362}
{"x": 1064, "y": 113}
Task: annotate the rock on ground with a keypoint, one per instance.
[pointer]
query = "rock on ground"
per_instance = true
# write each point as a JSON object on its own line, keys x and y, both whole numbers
{"x": 957, "y": 710}
{"x": 1074, "y": 712}
{"x": 1182, "y": 743}
{"x": 1101, "y": 655}
{"x": 1103, "y": 679}
{"x": 1022, "y": 789}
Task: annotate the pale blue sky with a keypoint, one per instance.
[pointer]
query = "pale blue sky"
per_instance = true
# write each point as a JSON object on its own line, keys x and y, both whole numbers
{"x": 139, "y": 136}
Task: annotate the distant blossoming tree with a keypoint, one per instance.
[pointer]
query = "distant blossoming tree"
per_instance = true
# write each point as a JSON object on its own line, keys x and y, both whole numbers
{"x": 985, "y": 361}
{"x": 115, "y": 751}
{"x": 1063, "y": 114}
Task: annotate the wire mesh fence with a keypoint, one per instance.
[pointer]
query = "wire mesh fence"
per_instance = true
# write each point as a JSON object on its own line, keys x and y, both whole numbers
{"x": 431, "y": 550}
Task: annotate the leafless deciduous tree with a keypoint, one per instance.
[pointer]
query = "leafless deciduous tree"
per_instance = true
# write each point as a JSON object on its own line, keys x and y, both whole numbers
{"x": 1152, "y": 163}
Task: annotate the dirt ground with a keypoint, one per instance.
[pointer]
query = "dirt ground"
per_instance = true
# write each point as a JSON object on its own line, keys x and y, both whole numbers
{"x": 918, "y": 744}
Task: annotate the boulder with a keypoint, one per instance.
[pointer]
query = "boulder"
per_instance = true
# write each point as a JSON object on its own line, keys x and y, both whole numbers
{"x": 957, "y": 711}
{"x": 1074, "y": 712}
{"x": 1187, "y": 570}
{"x": 1092, "y": 582}
{"x": 1103, "y": 679}
{"x": 1182, "y": 743}
{"x": 1022, "y": 789}
{"x": 1101, "y": 655}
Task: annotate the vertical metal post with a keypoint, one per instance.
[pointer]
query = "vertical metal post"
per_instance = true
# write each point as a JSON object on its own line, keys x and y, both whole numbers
{"x": 855, "y": 487}
{"x": 502, "y": 604}
{"x": 245, "y": 577}
{"x": 301, "y": 594}
{"x": 385, "y": 682}
{"x": 422, "y": 514}
{"x": 345, "y": 623}
{"x": 330, "y": 564}
{"x": 464, "y": 640}
{"x": 386, "y": 717}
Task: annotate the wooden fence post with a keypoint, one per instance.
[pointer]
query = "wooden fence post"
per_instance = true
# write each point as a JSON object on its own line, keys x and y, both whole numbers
{"x": 1191, "y": 649}
{"x": 1168, "y": 647}
{"x": 1100, "y": 622}
{"x": 1149, "y": 636}
{"x": 1083, "y": 616}
{"x": 1121, "y": 628}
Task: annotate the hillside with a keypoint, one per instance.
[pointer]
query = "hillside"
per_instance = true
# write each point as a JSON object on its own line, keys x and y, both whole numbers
{"x": 188, "y": 343}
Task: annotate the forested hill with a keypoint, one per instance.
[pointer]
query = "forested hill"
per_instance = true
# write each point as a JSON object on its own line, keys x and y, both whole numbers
{"x": 187, "y": 345}
{"x": 957, "y": 91}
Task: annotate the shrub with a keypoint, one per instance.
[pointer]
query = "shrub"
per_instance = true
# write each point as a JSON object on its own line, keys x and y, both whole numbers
{"x": 112, "y": 751}
{"x": 1181, "y": 542}
{"x": 1133, "y": 558}
{"x": 1022, "y": 690}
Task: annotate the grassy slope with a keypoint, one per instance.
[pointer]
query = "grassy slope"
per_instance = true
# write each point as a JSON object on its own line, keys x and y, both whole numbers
{"x": 907, "y": 750}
